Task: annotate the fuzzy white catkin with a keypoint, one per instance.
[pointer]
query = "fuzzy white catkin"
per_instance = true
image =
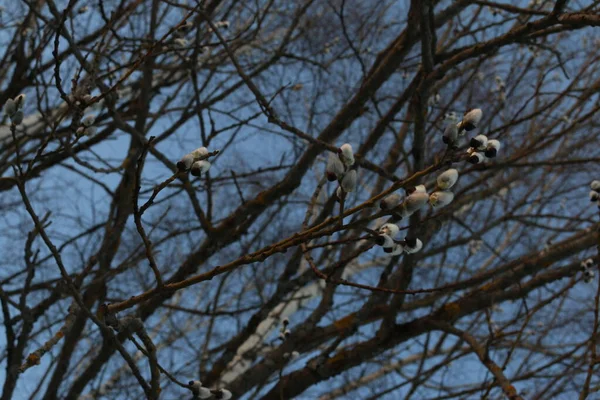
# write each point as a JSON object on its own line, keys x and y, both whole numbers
{"x": 10, "y": 107}
{"x": 594, "y": 195}
{"x": 335, "y": 168}
{"x": 417, "y": 247}
{"x": 441, "y": 198}
{"x": 387, "y": 241}
{"x": 450, "y": 133}
{"x": 589, "y": 262}
{"x": 204, "y": 393}
{"x": 20, "y": 100}
{"x": 416, "y": 189}
{"x": 493, "y": 146}
{"x": 479, "y": 142}
{"x": 447, "y": 179}
{"x": 420, "y": 189}
{"x": 88, "y": 120}
{"x": 186, "y": 162}
{"x": 349, "y": 181}
{"x": 389, "y": 229}
{"x": 476, "y": 158}
{"x": 225, "y": 394}
{"x": 595, "y": 185}
{"x": 181, "y": 42}
{"x": 200, "y": 167}
{"x": 199, "y": 152}
{"x": 415, "y": 202}
{"x": 397, "y": 249}
{"x": 391, "y": 201}
{"x": 471, "y": 119}
{"x": 585, "y": 265}
{"x": 186, "y": 26}
{"x": 347, "y": 154}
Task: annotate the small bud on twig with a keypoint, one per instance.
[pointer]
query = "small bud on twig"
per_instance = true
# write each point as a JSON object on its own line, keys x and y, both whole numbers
{"x": 346, "y": 154}
{"x": 335, "y": 167}
{"x": 200, "y": 167}
{"x": 447, "y": 179}
{"x": 479, "y": 142}
{"x": 493, "y": 146}
{"x": 470, "y": 120}
{"x": 441, "y": 198}
{"x": 391, "y": 201}
{"x": 349, "y": 181}
{"x": 412, "y": 245}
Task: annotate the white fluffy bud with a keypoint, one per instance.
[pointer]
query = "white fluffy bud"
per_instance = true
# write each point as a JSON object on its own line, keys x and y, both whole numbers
{"x": 186, "y": 162}
{"x": 493, "y": 147}
{"x": 388, "y": 242}
{"x": 335, "y": 168}
{"x": 479, "y": 142}
{"x": 389, "y": 229}
{"x": 447, "y": 179}
{"x": 391, "y": 201}
{"x": 204, "y": 393}
{"x": 20, "y": 100}
{"x": 594, "y": 196}
{"x": 587, "y": 264}
{"x": 181, "y": 42}
{"x": 470, "y": 120}
{"x": 415, "y": 202}
{"x": 186, "y": 26}
{"x": 346, "y": 154}
{"x": 200, "y": 167}
{"x": 88, "y": 121}
{"x": 450, "y": 133}
{"x": 397, "y": 250}
{"x": 420, "y": 189}
{"x": 416, "y": 189}
{"x": 441, "y": 199}
{"x": 476, "y": 158}
{"x": 199, "y": 152}
{"x": 10, "y": 107}
{"x": 349, "y": 181}
{"x": 223, "y": 394}
{"x": 196, "y": 385}
{"x": 595, "y": 185}
{"x": 198, "y": 391}
{"x": 413, "y": 245}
